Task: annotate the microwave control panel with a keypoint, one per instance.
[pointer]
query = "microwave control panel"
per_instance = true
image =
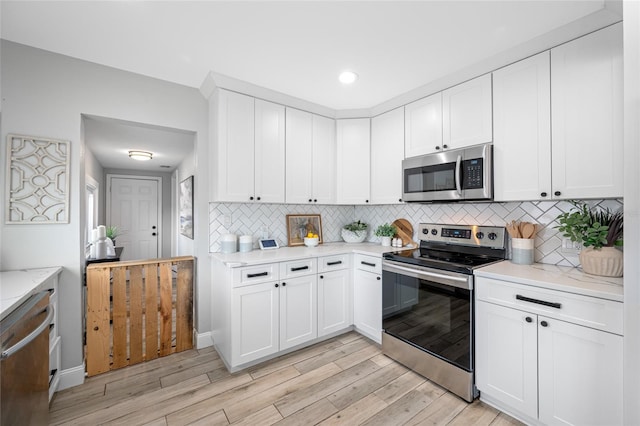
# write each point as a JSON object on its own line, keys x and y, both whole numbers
{"x": 472, "y": 173}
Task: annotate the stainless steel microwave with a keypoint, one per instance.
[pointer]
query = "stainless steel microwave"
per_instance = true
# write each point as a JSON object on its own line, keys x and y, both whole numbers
{"x": 454, "y": 175}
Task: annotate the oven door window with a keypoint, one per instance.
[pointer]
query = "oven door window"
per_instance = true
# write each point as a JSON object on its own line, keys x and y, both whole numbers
{"x": 433, "y": 317}
{"x": 440, "y": 177}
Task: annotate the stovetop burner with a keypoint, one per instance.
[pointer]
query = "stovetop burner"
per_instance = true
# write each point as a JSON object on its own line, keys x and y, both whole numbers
{"x": 455, "y": 248}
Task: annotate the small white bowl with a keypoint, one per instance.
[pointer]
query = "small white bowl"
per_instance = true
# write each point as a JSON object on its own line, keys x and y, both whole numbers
{"x": 311, "y": 242}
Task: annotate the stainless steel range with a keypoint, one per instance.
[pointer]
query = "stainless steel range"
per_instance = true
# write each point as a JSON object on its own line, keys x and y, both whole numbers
{"x": 427, "y": 302}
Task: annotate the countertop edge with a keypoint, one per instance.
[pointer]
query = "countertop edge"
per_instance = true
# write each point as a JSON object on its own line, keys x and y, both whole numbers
{"x": 31, "y": 288}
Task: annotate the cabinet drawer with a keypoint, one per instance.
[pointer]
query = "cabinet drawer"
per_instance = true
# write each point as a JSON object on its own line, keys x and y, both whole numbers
{"x": 255, "y": 274}
{"x": 601, "y": 314}
{"x": 334, "y": 263}
{"x": 368, "y": 263}
{"x": 298, "y": 268}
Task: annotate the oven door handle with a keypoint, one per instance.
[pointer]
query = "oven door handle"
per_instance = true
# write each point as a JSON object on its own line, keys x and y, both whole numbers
{"x": 454, "y": 281}
{"x": 458, "y": 177}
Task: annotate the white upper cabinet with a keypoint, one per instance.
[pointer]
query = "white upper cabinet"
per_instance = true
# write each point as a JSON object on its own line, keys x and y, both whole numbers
{"x": 353, "y": 160}
{"x": 522, "y": 130}
{"x": 587, "y": 128}
{"x": 423, "y": 126}
{"x": 466, "y": 113}
{"x": 248, "y": 149}
{"x": 310, "y": 158}
{"x": 269, "y": 152}
{"x": 387, "y": 153}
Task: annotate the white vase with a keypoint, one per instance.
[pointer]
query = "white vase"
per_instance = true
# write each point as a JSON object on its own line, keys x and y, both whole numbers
{"x": 354, "y": 236}
{"x": 605, "y": 262}
{"x": 386, "y": 241}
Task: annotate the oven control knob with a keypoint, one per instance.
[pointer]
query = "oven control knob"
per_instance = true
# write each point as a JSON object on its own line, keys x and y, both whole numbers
{"x": 425, "y": 231}
{"x": 434, "y": 231}
{"x": 479, "y": 235}
{"x": 493, "y": 236}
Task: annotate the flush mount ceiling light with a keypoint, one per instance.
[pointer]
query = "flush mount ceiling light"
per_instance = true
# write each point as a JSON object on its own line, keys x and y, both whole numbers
{"x": 347, "y": 77}
{"x": 140, "y": 155}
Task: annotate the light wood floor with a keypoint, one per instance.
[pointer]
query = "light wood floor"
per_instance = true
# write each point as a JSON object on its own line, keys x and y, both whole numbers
{"x": 345, "y": 380}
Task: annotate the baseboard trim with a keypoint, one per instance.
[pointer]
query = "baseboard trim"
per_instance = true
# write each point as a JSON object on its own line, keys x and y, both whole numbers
{"x": 71, "y": 377}
{"x": 203, "y": 340}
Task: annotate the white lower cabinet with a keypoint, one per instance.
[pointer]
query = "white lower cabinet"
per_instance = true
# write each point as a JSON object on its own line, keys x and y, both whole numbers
{"x": 298, "y": 311}
{"x": 542, "y": 369}
{"x": 335, "y": 306}
{"x": 367, "y": 296}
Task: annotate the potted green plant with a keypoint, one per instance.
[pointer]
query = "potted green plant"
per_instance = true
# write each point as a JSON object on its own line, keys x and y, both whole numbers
{"x": 355, "y": 232}
{"x": 112, "y": 233}
{"x": 599, "y": 231}
{"x": 386, "y": 232}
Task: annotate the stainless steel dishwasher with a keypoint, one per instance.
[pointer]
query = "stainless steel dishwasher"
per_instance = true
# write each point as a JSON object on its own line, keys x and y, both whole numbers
{"x": 24, "y": 363}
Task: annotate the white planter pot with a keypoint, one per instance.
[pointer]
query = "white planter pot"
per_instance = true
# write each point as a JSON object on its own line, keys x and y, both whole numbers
{"x": 354, "y": 236}
{"x": 605, "y": 262}
{"x": 386, "y": 241}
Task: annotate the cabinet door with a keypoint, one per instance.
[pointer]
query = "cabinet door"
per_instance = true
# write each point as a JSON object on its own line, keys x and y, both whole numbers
{"x": 423, "y": 126}
{"x": 234, "y": 151}
{"x": 269, "y": 152}
{"x": 254, "y": 322}
{"x": 299, "y": 164}
{"x": 387, "y": 153}
{"x": 506, "y": 356}
{"x": 298, "y": 311}
{"x": 323, "y": 160}
{"x": 367, "y": 306}
{"x": 466, "y": 113}
{"x": 335, "y": 310}
{"x": 353, "y": 161}
{"x": 522, "y": 130}
{"x": 587, "y": 132}
{"x": 580, "y": 374}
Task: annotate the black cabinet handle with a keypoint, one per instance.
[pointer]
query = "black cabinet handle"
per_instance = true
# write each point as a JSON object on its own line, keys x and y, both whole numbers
{"x": 373, "y": 265}
{"x": 51, "y": 326}
{"x": 399, "y": 200}
{"x": 338, "y": 262}
{"x": 284, "y": 284}
{"x": 251, "y": 198}
{"x": 445, "y": 146}
{"x": 309, "y": 199}
{"x": 315, "y": 200}
{"x": 544, "y": 323}
{"x": 259, "y": 274}
{"x": 366, "y": 201}
{"x": 154, "y": 234}
{"x": 557, "y": 193}
{"x": 437, "y": 147}
{"x": 153, "y": 227}
{"x": 539, "y": 302}
{"x": 528, "y": 319}
{"x": 258, "y": 198}
{"x": 321, "y": 277}
{"x": 277, "y": 285}
{"x": 543, "y": 194}
{"x": 299, "y": 268}
{"x": 378, "y": 278}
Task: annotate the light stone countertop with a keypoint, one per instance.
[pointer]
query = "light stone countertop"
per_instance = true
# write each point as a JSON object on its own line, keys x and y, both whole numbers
{"x": 17, "y": 286}
{"x": 257, "y": 257}
{"x": 561, "y": 278}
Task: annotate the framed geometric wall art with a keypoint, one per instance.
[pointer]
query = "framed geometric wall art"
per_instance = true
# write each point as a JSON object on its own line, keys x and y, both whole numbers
{"x": 186, "y": 207}
{"x": 37, "y": 180}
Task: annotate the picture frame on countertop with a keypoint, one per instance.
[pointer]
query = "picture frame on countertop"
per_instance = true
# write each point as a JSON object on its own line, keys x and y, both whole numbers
{"x": 299, "y": 225}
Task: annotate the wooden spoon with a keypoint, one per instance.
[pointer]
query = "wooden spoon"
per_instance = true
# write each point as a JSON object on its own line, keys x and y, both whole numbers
{"x": 528, "y": 229}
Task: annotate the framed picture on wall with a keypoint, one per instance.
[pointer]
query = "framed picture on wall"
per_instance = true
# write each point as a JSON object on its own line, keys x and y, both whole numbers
{"x": 186, "y": 207}
{"x": 300, "y": 225}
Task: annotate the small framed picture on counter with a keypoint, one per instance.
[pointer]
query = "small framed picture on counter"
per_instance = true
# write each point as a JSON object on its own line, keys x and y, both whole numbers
{"x": 301, "y": 225}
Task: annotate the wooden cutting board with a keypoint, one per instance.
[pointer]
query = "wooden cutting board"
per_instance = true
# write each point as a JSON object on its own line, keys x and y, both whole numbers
{"x": 404, "y": 231}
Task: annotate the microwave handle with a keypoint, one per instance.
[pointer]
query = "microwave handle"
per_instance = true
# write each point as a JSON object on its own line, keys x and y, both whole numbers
{"x": 458, "y": 177}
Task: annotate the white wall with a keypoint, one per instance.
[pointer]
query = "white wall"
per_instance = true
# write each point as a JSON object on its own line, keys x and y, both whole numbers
{"x": 185, "y": 245}
{"x": 45, "y": 94}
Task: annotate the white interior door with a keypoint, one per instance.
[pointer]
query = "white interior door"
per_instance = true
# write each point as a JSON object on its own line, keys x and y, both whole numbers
{"x": 134, "y": 209}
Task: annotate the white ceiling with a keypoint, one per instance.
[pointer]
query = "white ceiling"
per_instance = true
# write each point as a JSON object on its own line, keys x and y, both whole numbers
{"x": 296, "y": 48}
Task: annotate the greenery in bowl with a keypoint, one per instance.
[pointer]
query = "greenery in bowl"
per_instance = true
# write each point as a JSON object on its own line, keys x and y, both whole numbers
{"x": 386, "y": 230}
{"x": 356, "y": 226}
{"x": 595, "y": 228}
{"x": 112, "y": 232}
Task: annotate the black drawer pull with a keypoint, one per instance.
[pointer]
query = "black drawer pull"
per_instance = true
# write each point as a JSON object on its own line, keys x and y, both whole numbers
{"x": 339, "y": 262}
{"x": 373, "y": 265}
{"x": 259, "y": 274}
{"x": 299, "y": 268}
{"x": 539, "y": 302}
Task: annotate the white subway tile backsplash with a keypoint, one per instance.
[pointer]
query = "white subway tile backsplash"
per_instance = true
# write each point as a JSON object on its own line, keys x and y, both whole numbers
{"x": 248, "y": 218}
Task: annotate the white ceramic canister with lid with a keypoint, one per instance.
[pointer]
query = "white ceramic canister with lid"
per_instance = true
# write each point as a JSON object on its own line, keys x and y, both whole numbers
{"x": 246, "y": 243}
{"x": 228, "y": 243}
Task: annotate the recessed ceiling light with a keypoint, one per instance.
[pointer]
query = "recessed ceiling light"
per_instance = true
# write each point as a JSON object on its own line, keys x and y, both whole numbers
{"x": 140, "y": 155}
{"x": 347, "y": 77}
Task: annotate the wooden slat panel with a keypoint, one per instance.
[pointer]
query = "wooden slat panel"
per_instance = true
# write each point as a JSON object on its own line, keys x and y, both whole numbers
{"x": 135, "y": 314}
{"x": 165, "y": 308}
{"x": 98, "y": 314}
{"x": 184, "y": 306}
{"x": 141, "y": 262}
{"x": 119, "y": 318}
{"x": 151, "y": 312}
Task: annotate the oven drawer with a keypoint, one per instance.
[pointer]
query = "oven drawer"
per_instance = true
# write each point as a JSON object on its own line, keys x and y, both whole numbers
{"x": 368, "y": 263}
{"x": 334, "y": 263}
{"x": 601, "y": 314}
{"x": 298, "y": 268}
